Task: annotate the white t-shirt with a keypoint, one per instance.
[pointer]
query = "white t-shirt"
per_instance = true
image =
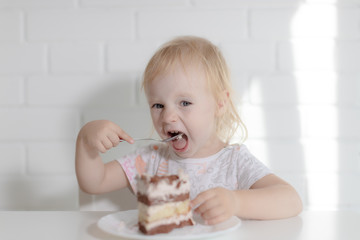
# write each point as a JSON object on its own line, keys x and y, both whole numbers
{"x": 233, "y": 167}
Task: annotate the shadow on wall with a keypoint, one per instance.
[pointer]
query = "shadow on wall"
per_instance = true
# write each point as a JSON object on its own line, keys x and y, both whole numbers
{"x": 118, "y": 100}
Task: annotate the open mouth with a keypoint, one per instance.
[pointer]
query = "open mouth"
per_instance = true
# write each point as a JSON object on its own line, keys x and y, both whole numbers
{"x": 180, "y": 143}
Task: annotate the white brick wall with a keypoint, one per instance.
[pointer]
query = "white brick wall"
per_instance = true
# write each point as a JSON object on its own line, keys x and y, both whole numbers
{"x": 76, "y": 58}
{"x": 213, "y": 24}
{"x": 22, "y": 59}
{"x": 65, "y": 62}
{"x": 11, "y": 90}
{"x": 10, "y": 23}
{"x": 306, "y": 23}
{"x": 80, "y": 25}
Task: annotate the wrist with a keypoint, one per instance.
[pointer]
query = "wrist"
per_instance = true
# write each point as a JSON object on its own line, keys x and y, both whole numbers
{"x": 238, "y": 203}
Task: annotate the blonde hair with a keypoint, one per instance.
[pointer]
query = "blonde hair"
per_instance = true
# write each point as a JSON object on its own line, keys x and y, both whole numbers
{"x": 185, "y": 50}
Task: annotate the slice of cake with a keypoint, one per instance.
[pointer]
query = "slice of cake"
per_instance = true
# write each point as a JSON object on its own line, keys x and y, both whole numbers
{"x": 163, "y": 203}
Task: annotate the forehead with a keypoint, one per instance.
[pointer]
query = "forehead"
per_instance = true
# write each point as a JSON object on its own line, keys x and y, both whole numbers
{"x": 188, "y": 77}
{"x": 181, "y": 72}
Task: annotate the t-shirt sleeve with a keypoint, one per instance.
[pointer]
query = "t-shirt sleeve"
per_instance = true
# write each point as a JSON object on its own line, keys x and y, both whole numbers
{"x": 250, "y": 168}
{"x": 136, "y": 163}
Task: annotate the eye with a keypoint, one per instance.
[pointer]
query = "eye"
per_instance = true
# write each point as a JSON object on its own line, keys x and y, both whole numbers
{"x": 185, "y": 103}
{"x": 157, "y": 106}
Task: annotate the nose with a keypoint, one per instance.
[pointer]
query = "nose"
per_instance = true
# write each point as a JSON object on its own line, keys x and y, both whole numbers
{"x": 169, "y": 115}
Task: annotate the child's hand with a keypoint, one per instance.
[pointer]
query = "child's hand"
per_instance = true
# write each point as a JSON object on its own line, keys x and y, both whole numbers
{"x": 216, "y": 205}
{"x": 101, "y": 135}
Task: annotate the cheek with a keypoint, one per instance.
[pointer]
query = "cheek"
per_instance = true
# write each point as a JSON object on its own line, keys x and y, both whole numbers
{"x": 210, "y": 118}
{"x": 155, "y": 119}
{"x": 208, "y": 112}
{"x": 205, "y": 118}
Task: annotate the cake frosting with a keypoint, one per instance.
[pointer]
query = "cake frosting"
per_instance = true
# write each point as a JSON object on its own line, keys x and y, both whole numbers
{"x": 163, "y": 203}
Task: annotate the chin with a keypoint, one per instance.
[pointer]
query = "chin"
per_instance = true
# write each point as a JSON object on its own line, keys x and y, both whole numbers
{"x": 184, "y": 153}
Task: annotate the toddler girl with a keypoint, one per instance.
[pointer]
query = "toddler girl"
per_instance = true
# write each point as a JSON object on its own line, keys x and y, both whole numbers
{"x": 187, "y": 86}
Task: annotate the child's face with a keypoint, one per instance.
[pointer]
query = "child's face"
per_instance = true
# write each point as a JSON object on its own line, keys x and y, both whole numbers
{"x": 181, "y": 102}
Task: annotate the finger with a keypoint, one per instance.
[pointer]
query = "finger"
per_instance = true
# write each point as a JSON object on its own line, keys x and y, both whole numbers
{"x": 107, "y": 143}
{"x": 100, "y": 147}
{"x": 206, "y": 206}
{"x": 122, "y": 135}
{"x": 114, "y": 138}
{"x": 217, "y": 219}
{"x": 212, "y": 213}
{"x": 201, "y": 197}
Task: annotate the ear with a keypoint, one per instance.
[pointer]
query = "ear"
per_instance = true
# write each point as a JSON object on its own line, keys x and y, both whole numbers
{"x": 222, "y": 102}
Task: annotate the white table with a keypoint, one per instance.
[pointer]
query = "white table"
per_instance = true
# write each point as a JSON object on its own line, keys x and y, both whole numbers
{"x": 329, "y": 225}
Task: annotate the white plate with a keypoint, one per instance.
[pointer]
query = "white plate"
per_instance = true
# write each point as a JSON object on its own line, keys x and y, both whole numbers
{"x": 124, "y": 224}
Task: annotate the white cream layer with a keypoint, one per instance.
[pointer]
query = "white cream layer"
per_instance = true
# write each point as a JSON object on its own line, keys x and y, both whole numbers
{"x": 163, "y": 189}
{"x": 167, "y": 221}
{"x": 154, "y": 212}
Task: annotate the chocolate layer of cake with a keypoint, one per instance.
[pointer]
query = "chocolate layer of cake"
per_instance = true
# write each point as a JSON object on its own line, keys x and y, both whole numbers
{"x": 170, "y": 198}
{"x": 155, "y": 179}
{"x": 165, "y": 228}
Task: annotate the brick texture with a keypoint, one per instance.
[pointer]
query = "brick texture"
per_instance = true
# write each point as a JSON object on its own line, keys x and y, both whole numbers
{"x": 295, "y": 66}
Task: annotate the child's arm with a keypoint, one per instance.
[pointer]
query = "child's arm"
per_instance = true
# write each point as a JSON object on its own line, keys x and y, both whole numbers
{"x": 93, "y": 175}
{"x": 268, "y": 198}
